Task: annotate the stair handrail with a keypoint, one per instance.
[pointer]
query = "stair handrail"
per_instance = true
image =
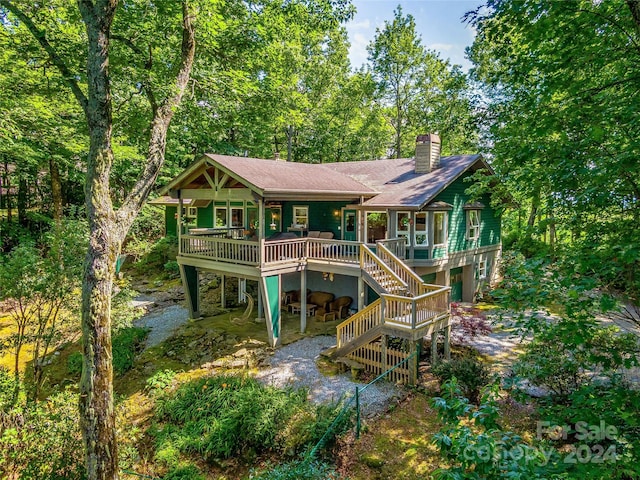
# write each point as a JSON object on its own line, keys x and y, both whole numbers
{"x": 358, "y": 317}
{"x": 367, "y": 252}
{"x": 411, "y": 278}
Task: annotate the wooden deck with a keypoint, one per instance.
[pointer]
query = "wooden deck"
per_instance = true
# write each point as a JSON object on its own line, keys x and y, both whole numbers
{"x": 266, "y": 254}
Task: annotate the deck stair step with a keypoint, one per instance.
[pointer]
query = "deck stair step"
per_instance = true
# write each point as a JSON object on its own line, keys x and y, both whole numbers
{"x": 353, "y": 344}
{"x": 328, "y": 352}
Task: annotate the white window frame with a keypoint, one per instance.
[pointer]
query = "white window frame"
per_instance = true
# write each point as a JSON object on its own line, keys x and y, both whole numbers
{"x": 366, "y": 224}
{"x": 445, "y": 228}
{"x": 301, "y": 212}
{"x": 482, "y": 269}
{"x": 417, "y": 232}
{"x": 403, "y": 230}
{"x": 473, "y": 230}
{"x": 215, "y": 217}
{"x": 241, "y": 216}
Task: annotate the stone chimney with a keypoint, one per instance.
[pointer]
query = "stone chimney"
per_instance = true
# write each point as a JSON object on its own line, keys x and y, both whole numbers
{"x": 427, "y": 153}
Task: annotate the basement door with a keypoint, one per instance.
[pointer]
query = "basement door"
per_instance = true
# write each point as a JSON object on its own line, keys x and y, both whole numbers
{"x": 456, "y": 284}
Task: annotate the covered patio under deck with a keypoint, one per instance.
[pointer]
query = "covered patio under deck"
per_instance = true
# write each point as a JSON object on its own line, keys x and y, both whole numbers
{"x": 265, "y": 261}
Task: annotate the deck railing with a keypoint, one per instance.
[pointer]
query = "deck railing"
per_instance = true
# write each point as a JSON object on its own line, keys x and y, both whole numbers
{"x": 408, "y": 276}
{"x": 220, "y": 249}
{"x": 360, "y": 323}
{"x": 397, "y": 246}
{"x": 340, "y": 251}
{"x": 380, "y": 271}
{"x": 416, "y": 312}
{"x": 283, "y": 251}
{"x": 250, "y": 252}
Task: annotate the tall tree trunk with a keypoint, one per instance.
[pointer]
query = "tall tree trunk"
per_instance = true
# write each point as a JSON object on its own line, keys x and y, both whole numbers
{"x": 97, "y": 418}
{"x": 108, "y": 227}
{"x": 56, "y": 189}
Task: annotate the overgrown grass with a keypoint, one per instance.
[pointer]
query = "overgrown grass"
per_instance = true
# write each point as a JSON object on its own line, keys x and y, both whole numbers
{"x": 224, "y": 416}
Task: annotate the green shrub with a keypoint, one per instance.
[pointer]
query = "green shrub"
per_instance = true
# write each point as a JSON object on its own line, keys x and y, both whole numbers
{"x": 188, "y": 472}
{"x": 74, "y": 363}
{"x": 123, "y": 313}
{"x": 171, "y": 269}
{"x": 224, "y": 416}
{"x": 568, "y": 355}
{"x": 475, "y": 445}
{"x": 614, "y": 449}
{"x": 41, "y": 440}
{"x": 160, "y": 382}
{"x": 470, "y": 372}
{"x": 158, "y": 254}
{"x": 7, "y": 389}
{"x": 126, "y": 344}
{"x": 298, "y": 470}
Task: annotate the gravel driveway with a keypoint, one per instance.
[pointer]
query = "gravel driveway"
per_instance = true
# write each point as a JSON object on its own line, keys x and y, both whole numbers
{"x": 295, "y": 365}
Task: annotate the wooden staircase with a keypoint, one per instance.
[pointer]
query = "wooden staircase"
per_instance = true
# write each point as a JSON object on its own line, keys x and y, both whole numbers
{"x": 407, "y": 308}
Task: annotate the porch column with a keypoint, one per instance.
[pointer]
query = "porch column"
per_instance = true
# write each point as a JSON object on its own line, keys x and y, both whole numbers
{"x": 260, "y": 311}
{"x": 360, "y": 293}
{"x": 261, "y": 221}
{"x": 223, "y": 300}
{"x": 468, "y": 283}
{"x": 191, "y": 284}
{"x": 242, "y": 288}
{"x": 303, "y": 301}
{"x": 412, "y": 235}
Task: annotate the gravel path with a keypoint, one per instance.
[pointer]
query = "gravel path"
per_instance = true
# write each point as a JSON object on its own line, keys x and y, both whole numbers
{"x": 162, "y": 323}
{"x": 295, "y": 365}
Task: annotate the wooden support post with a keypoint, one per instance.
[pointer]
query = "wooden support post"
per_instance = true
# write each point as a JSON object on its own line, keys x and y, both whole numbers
{"x": 223, "y": 300}
{"x": 447, "y": 342}
{"x": 260, "y": 310}
{"x": 413, "y": 364}
{"x": 303, "y": 301}
{"x": 242, "y": 289}
{"x": 191, "y": 284}
{"x": 383, "y": 352}
{"x": 434, "y": 348}
{"x": 360, "y": 293}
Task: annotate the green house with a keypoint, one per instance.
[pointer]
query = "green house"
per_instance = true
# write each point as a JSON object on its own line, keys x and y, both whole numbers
{"x": 401, "y": 232}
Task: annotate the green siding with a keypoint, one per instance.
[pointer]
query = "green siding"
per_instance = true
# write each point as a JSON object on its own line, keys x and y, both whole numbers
{"x": 205, "y": 216}
{"x": 272, "y": 287}
{"x": 429, "y": 278}
{"x": 489, "y": 220}
{"x": 421, "y": 253}
{"x": 170, "y": 221}
{"x": 321, "y": 215}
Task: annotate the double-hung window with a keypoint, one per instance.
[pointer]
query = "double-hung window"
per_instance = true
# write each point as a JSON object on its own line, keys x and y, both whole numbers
{"x": 421, "y": 237}
{"x": 221, "y": 217}
{"x": 403, "y": 225}
{"x": 439, "y": 228}
{"x": 237, "y": 217}
{"x": 482, "y": 269}
{"x": 301, "y": 217}
{"x": 473, "y": 224}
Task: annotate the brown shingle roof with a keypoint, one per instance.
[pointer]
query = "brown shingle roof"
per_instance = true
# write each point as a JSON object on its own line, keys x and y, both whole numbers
{"x": 398, "y": 183}
{"x": 272, "y": 177}
{"x": 384, "y": 183}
